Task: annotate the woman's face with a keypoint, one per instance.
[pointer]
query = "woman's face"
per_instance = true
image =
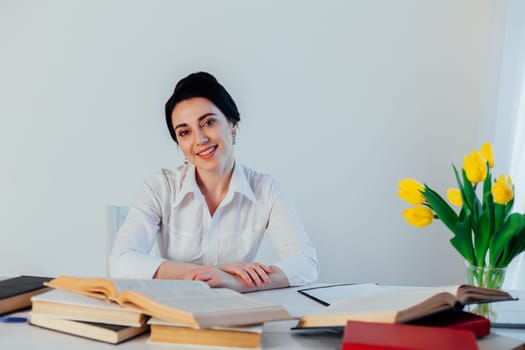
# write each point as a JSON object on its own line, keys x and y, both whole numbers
{"x": 204, "y": 134}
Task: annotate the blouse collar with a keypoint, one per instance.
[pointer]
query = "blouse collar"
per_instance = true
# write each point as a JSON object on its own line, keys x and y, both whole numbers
{"x": 238, "y": 184}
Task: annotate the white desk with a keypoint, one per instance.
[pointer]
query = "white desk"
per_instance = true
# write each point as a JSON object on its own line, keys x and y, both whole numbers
{"x": 276, "y": 335}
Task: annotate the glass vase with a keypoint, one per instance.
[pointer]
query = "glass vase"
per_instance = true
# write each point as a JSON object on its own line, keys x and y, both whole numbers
{"x": 486, "y": 277}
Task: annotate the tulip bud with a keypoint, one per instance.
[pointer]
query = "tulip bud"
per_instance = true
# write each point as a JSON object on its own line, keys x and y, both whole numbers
{"x": 411, "y": 191}
{"x": 454, "y": 197}
{"x": 502, "y": 190}
{"x": 419, "y": 216}
{"x": 475, "y": 167}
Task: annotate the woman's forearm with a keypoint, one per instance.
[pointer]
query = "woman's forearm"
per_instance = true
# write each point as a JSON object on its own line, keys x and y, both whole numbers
{"x": 173, "y": 270}
{"x": 215, "y": 277}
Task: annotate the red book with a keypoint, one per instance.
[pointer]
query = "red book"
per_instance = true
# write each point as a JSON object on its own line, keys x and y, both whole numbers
{"x": 395, "y": 336}
{"x": 457, "y": 319}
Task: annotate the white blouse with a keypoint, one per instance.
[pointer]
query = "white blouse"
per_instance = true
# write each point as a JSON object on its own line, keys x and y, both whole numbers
{"x": 173, "y": 212}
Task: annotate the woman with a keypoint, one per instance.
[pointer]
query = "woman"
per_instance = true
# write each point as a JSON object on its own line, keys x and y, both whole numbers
{"x": 210, "y": 214}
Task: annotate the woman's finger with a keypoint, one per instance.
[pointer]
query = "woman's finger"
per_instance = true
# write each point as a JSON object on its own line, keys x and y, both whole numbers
{"x": 257, "y": 275}
{"x": 234, "y": 269}
{"x": 242, "y": 274}
{"x": 254, "y": 278}
{"x": 261, "y": 273}
{"x": 266, "y": 268}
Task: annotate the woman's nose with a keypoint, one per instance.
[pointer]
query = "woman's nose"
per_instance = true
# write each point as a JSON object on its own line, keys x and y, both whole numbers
{"x": 202, "y": 139}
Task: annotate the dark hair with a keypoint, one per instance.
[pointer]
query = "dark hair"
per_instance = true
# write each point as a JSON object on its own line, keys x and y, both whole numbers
{"x": 201, "y": 84}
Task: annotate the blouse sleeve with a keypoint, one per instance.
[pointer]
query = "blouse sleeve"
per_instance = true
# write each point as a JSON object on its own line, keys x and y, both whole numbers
{"x": 129, "y": 256}
{"x": 298, "y": 259}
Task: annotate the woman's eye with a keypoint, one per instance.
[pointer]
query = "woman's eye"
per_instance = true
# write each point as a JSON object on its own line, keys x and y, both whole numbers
{"x": 209, "y": 122}
{"x": 183, "y": 133}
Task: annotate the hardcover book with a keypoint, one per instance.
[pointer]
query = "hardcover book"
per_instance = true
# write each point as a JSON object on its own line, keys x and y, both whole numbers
{"x": 108, "y": 333}
{"x": 16, "y": 293}
{"x": 457, "y": 319}
{"x": 379, "y": 336}
{"x": 245, "y": 337}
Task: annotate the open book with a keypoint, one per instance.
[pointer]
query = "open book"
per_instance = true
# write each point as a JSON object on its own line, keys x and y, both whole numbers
{"x": 192, "y": 303}
{"x": 399, "y": 306}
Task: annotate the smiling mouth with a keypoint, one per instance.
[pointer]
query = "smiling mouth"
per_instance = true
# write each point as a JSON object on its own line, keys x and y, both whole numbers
{"x": 208, "y": 152}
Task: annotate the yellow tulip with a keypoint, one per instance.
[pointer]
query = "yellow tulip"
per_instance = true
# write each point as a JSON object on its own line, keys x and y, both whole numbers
{"x": 475, "y": 167}
{"x": 419, "y": 216}
{"x": 454, "y": 197}
{"x": 411, "y": 191}
{"x": 488, "y": 153}
{"x": 502, "y": 190}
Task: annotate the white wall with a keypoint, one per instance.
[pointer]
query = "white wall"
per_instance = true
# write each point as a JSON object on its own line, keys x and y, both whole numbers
{"x": 339, "y": 100}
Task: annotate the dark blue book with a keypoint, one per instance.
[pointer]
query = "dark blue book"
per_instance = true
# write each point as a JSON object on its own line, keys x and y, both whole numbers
{"x": 16, "y": 293}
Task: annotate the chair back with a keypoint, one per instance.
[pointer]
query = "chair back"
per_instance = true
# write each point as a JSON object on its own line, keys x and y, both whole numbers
{"x": 115, "y": 216}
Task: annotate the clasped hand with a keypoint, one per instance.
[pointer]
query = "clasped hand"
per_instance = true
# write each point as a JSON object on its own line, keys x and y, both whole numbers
{"x": 230, "y": 275}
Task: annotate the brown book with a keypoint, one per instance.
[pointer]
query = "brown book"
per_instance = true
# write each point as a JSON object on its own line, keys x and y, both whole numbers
{"x": 192, "y": 303}
{"x": 400, "y": 306}
{"x": 74, "y": 306}
{"x": 108, "y": 333}
{"x": 16, "y": 293}
{"x": 246, "y": 337}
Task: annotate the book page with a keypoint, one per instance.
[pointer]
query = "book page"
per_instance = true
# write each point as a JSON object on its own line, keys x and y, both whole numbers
{"x": 70, "y": 298}
{"x": 204, "y": 308}
{"x": 144, "y": 285}
{"x": 109, "y": 289}
{"x": 380, "y": 302}
{"x": 469, "y": 294}
{"x": 203, "y": 300}
{"x": 97, "y": 287}
{"x": 330, "y": 294}
{"x": 389, "y": 302}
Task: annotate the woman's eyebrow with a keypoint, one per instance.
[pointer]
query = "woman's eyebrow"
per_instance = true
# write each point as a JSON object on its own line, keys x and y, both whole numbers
{"x": 200, "y": 119}
{"x": 205, "y": 115}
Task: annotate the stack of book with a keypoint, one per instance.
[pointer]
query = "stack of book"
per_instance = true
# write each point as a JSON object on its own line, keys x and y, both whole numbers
{"x": 177, "y": 312}
{"x": 415, "y": 318}
{"x": 87, "y": 317}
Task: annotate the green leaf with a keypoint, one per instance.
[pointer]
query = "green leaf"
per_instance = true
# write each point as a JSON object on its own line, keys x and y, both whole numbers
{"x": 469, "y": 191}
{"x": 499, "y": 216}
{"x": 488, "y": 202}
{"x": 482, "y": 237}
{"x": 466, "y": 199}
{"x": 487, "y": 189}
{"x": 508, "y": 207}
{"x": 463, "y": 212}
{"x": 444, "y": 212}
{"x": 501, "y": 238}
{"x": 486, "y": 222}
{"x": 462, "y": 240}
{"x": 513, "y": 249}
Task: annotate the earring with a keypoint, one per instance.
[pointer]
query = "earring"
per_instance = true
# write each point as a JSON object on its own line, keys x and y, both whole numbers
{"x": 185, "y": 160}
{"x": 233, "y": 138}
